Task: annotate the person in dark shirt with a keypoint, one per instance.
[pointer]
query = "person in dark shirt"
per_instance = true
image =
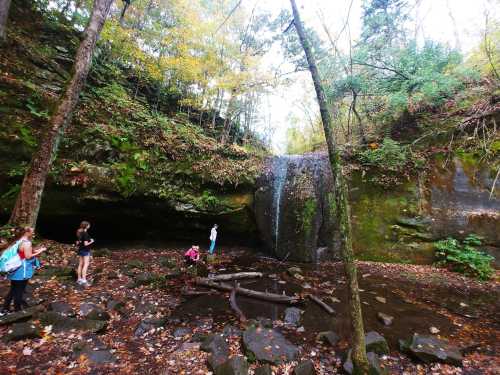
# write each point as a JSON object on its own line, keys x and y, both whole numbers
{"x": 83, "y": 242}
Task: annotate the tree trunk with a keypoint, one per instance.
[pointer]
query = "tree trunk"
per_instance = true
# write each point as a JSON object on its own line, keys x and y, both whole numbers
{"x": 28, "y": 201}
{"x": 4, "y": 15}
{"x": 341, "y": 207}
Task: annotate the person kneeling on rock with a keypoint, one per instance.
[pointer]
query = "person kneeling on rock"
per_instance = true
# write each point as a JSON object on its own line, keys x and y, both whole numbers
{"x": 192, "y": 256}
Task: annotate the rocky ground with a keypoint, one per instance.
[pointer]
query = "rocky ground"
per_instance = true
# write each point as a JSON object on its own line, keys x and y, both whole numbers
{"x": 136, "y": 317}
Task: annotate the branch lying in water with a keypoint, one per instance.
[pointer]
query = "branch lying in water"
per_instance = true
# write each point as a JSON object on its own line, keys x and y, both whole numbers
{"x": 234, "y": 305}
{"x": 271, "y": 297}
{"x": 327, "y": 308}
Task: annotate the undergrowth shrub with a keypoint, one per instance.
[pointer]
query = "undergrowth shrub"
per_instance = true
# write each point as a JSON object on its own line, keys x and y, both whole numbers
{"x": 390, "y": 156}
{"x": 463, "y": 257}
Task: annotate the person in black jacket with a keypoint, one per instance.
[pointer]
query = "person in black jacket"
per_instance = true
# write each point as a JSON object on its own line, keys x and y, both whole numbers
{"x": 83, "y": 242}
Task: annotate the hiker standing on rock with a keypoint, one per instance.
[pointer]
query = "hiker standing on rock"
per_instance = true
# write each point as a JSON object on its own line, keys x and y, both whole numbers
{"x": 213, "y": 237}
{"x": 83, "y": 242}
{"x": 19, "y": 277}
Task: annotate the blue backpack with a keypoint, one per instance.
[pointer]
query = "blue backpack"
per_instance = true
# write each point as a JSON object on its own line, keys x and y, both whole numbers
{"x": 10, "y": 259}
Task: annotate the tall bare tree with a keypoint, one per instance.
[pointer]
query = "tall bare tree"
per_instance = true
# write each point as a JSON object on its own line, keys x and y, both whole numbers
{"x": 342, "y": 209}
{"x": 4, "y": 15}
{"x": 28, "y": 201}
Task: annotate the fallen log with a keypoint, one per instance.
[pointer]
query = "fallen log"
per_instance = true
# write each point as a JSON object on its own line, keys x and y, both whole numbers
{"x": 234, "y": 305}
{"x": 327, "y": 308}
{"x": 235, "y": 276}
{"x": 271, "y": 297}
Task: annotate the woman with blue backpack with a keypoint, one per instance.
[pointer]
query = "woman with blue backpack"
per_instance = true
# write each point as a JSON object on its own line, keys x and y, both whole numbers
{"x": 20, "y": 276}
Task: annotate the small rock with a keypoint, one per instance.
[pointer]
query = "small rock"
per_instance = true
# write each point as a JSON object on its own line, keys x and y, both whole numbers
{"x": 293, "y": 316}
{"x": 233, "y": 366}
{"x": 231, "y": 330}
{"x": 334, "y": 300}
{"x": 116, "y": 305}
{"x": 301, "y": 329}
{"x": 376, "y": 343}
{"x": 95, "y": 351}
{"x": 293, "y": 271}
{"x": 373, "y": 362}
{"x": 381, "y": 299}
{"x": 147, "y": 325}
{"x": 62, "y": 308}
{"x": 434, "y": 330}
{"x": 23, "y": 331}
{"x": 305, "y": 368}
{"x": 181, "y": 332}
{"x": 385, "y": 319}
{"x": 328, "y": 337}
{"x": 92, "y": 311}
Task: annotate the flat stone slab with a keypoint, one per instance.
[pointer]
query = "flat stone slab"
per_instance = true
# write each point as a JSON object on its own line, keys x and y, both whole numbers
{"x": 23, "y": 331}
{"x": 233, "y": 366}
{"x": 268, "y": 345}
{"x": 376, "y": 343}
{"x": 430, "y": 349}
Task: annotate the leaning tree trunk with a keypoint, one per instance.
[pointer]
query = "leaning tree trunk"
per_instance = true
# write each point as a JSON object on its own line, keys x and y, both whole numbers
{"x": 4, "y": 15}
{"x": 341, "y": 208}
{"x": 28, "y": 201}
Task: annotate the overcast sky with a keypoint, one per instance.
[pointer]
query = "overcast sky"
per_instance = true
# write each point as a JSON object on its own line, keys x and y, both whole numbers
{"x": 455, "y": 22}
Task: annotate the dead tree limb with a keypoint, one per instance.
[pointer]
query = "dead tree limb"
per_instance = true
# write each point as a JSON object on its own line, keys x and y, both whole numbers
{"x": 234, "y": 305}
{"x": 327, "y": 308}
{"x": 236, "y": 276}
{"x": 271, "y": 297}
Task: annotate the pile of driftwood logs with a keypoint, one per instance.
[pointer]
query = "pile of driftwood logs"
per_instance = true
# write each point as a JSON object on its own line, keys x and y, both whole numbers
{"x": 220, "y": 282}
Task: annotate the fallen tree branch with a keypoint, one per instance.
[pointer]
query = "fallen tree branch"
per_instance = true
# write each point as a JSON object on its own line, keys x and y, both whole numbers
{"x": 271, "y": 297}
{"x": 327, "y": 308}
{"x": 196, "y": 293}
{"x": 236, "y": 276}
{"x": 234, "y": 305}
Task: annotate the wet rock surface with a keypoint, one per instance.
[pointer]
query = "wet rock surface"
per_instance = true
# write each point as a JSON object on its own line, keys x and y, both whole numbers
{"x": 268, "y": 345}
{"x": 291, "y": 208}
{"x": 95, "y": 351}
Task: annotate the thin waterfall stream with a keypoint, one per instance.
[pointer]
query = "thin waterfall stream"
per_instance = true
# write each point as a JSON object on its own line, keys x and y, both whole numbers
{"x": 279, "y": 182}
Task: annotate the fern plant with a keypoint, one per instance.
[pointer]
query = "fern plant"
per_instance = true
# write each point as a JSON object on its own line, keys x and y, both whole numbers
{"x": 463, "y": 257}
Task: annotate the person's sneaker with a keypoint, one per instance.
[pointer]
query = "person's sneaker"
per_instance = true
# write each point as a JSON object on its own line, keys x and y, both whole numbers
{"x": 79, "y": 281}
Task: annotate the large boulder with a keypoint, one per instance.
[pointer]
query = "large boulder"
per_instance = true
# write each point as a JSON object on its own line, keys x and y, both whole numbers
{"x": 18, "y": 316}
{"x": 62, "y": 323}
{"x": 218, "y": 348}
{"x": 292, "y": 204}
{"x": 376, "y": 343}
{"x": 23, "y": 331}
{"x": 94, "y": 312}
{"x": 268, "y": 345}
{"x": 430, "y": 349}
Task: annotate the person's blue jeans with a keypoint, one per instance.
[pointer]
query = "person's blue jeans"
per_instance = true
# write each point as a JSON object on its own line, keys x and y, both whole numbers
{"x": 212, "y": 246}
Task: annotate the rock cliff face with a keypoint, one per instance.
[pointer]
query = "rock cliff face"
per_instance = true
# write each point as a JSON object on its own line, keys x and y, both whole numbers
{"x": 396, "y": 224}
{"x": 292, "y": 204}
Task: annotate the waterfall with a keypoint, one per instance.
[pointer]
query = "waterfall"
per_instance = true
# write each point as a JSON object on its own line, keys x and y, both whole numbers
{"x": 280, "y": 168}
